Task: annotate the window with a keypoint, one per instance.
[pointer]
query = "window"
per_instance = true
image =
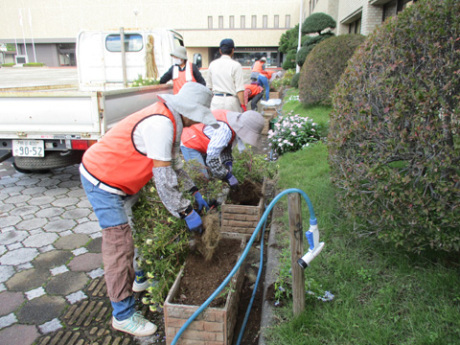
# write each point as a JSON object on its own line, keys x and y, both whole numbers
{"x": 133, "y": 43}
{"x": 276, "y": 23}
{"x": 242, "y": 22}
{"x": 402, "y": 4}
{"x": 265, "y": 22}
{"x": 209, "y": 22}
{"x": 231, "y": 22}
{"x": 221, "y": 22}
{"x": 254, "y": 22}
{"x": 288, "y": 21}
{"x": 355, "y": 27}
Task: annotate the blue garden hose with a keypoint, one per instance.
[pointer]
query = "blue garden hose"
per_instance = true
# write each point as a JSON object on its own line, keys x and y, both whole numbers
{"x": 263, "y": 221}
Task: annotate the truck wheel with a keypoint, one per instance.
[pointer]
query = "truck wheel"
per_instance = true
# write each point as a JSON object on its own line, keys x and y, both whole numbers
{"x": 51, "y": 160}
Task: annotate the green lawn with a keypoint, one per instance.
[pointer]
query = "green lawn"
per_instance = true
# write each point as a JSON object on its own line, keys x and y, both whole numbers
{"x": 382, "y": 295}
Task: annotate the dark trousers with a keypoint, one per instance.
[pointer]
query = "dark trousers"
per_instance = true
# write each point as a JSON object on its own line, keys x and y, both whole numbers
{"x": 255, "y": 100}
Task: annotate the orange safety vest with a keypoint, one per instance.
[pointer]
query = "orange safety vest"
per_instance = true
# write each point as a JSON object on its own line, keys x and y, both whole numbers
{"x": 182, "y": 77}
{"x": 193, "y": 137}
{"x": 115, "y": 161}
{"x": 255, "y": 89}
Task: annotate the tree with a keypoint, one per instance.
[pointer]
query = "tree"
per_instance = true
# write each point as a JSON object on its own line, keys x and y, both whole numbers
{"x": 318, "y": 22}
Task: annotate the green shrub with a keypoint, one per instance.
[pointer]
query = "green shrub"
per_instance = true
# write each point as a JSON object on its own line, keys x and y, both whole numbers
{"x": 394, "y": 136}
{"x": 295, "y": 80}
{"x": 162, "y": 242}
{"x": 289, "y": 62}
{"x": 252, "y": 166}
{"x": 11, "y": 64}
{"x": 317, "y": 22}
{"x": 324, "y": 66}
{"x": 308, "y": 46}
{"x": 140, "y": 81}
{"x": 34, "y": 64}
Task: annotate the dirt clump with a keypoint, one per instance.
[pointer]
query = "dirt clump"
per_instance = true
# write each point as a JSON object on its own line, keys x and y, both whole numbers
{"x": 248, "y": 193}
{"x": 208, "y": 242}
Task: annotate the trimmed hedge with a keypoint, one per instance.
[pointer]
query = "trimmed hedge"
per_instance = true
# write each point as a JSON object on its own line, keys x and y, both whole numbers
{"x": 394, "y": 138}
{"x": 324, "y": 66}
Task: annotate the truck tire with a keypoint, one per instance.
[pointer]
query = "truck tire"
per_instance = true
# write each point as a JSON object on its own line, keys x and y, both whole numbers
{"x": 52, "y": 160}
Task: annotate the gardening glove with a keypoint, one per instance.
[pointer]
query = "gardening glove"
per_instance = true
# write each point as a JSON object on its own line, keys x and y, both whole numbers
{"x": 229, "y": 165}
{"x": 194, "y": 223}
{"x": 243, "y": 106}
{"x": 231, "y": 180}
{"x": 201, "y": 202}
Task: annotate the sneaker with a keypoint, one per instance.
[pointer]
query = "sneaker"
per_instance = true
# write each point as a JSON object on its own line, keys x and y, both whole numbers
{"x": 136, "y": 325}
{"x": 139, "y": 287}
{"x": 140, "y": 283}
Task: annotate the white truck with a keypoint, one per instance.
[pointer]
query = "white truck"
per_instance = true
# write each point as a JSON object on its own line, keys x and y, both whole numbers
{"x": 48, "y": 127}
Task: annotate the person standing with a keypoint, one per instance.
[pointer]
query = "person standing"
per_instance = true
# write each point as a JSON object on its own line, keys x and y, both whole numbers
{"x": 263, "y": 76}
{"x": 142, "y": 146}
{"x": 225, "y": 79}
{"x": 182, "y": 71}
{"x": 212, "y": 147}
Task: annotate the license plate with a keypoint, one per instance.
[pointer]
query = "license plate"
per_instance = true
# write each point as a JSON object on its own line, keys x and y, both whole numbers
{"x": 28, "y": 148}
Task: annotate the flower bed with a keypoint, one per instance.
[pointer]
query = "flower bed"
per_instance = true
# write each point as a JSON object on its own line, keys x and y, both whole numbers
{"x": 215, "y": 325}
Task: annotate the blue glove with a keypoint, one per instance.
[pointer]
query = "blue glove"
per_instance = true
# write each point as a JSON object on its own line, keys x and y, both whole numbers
{"x": 194, "y": 223}
{"x": 232, "y": 181}
{"x": 201, "y": 202}
{"x": 229, "y": 165}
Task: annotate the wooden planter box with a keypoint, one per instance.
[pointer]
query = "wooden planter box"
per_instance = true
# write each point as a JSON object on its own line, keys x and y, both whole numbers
{"x": 242, "y": 219}
{"x": 214, "y": 326}
{"x": 275, "y": 94}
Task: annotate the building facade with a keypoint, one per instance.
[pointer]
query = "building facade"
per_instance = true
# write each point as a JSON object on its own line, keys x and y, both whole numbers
{"x": 49, "y": 28}
{"x": 358, "y": 16}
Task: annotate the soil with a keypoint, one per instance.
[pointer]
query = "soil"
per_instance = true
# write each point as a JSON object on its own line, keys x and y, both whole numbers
{"x": 248, "y": 193}
{"x": 196, "y": 285}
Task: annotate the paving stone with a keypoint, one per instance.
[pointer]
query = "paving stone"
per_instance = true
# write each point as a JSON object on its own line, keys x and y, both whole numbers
{"x": 7, "y": 320}
{"x": 95, "y": 245}
{"x": 77, "y": 193}
{"x": 17, "y": 199}
{"x": 77, "y": 213}
{"x": 32, "y": 224}
{"x": 27, "y": 181}
{"x": 56, "y": 191}
{"x": 41, "y": 310}
{"x": 72, "y": 241}
{"x": 59, "y": 225}
{"x": 34, "y": 191}
{"x": 8, "y": 180}
{"x": 14, "y": 246}
{"x": 5, "y": 208}
{"x": 50, "y": 212}
{"x": 65, "y": 202}
{"x": 40, "y": 240}
{"x": 84, "y": 204}
{"x": 59, "y": 270}
{"x": 10, "y": 237}
{"x": 25, "y": 210}
{"x": 30, "y": 295}
{"x": 16, "y": 190}
{"x": 98, "y": 272}
{"x": 43, "y": 200}
{"x": 19, "y": 334}
{"x": 46, "y": 248}
{"x": 46, "y": 183}
{"x": 19, "y": 256}
{"x": 69, "y": 184}
{"x": 10, "y": 301}
{"x": 50, "y": 326}
{"x": 79, "y": 251}
{"x": 23, "y": 267}
{"x": 28, "y": 279}
{"x": 11, "y": 220}
{"x": 52, "y": 259}
{"x": 2, "y": 250}
{"x": 66, "y": 283}
{"x": 76, "y": 297}
{"x": 87, "y": 228}
{"x": 86, "y": 262}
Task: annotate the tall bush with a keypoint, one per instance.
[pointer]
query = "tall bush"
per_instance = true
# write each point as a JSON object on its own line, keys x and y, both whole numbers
{"x": 324, "y": 66}
{"x": 394, "y": 139}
